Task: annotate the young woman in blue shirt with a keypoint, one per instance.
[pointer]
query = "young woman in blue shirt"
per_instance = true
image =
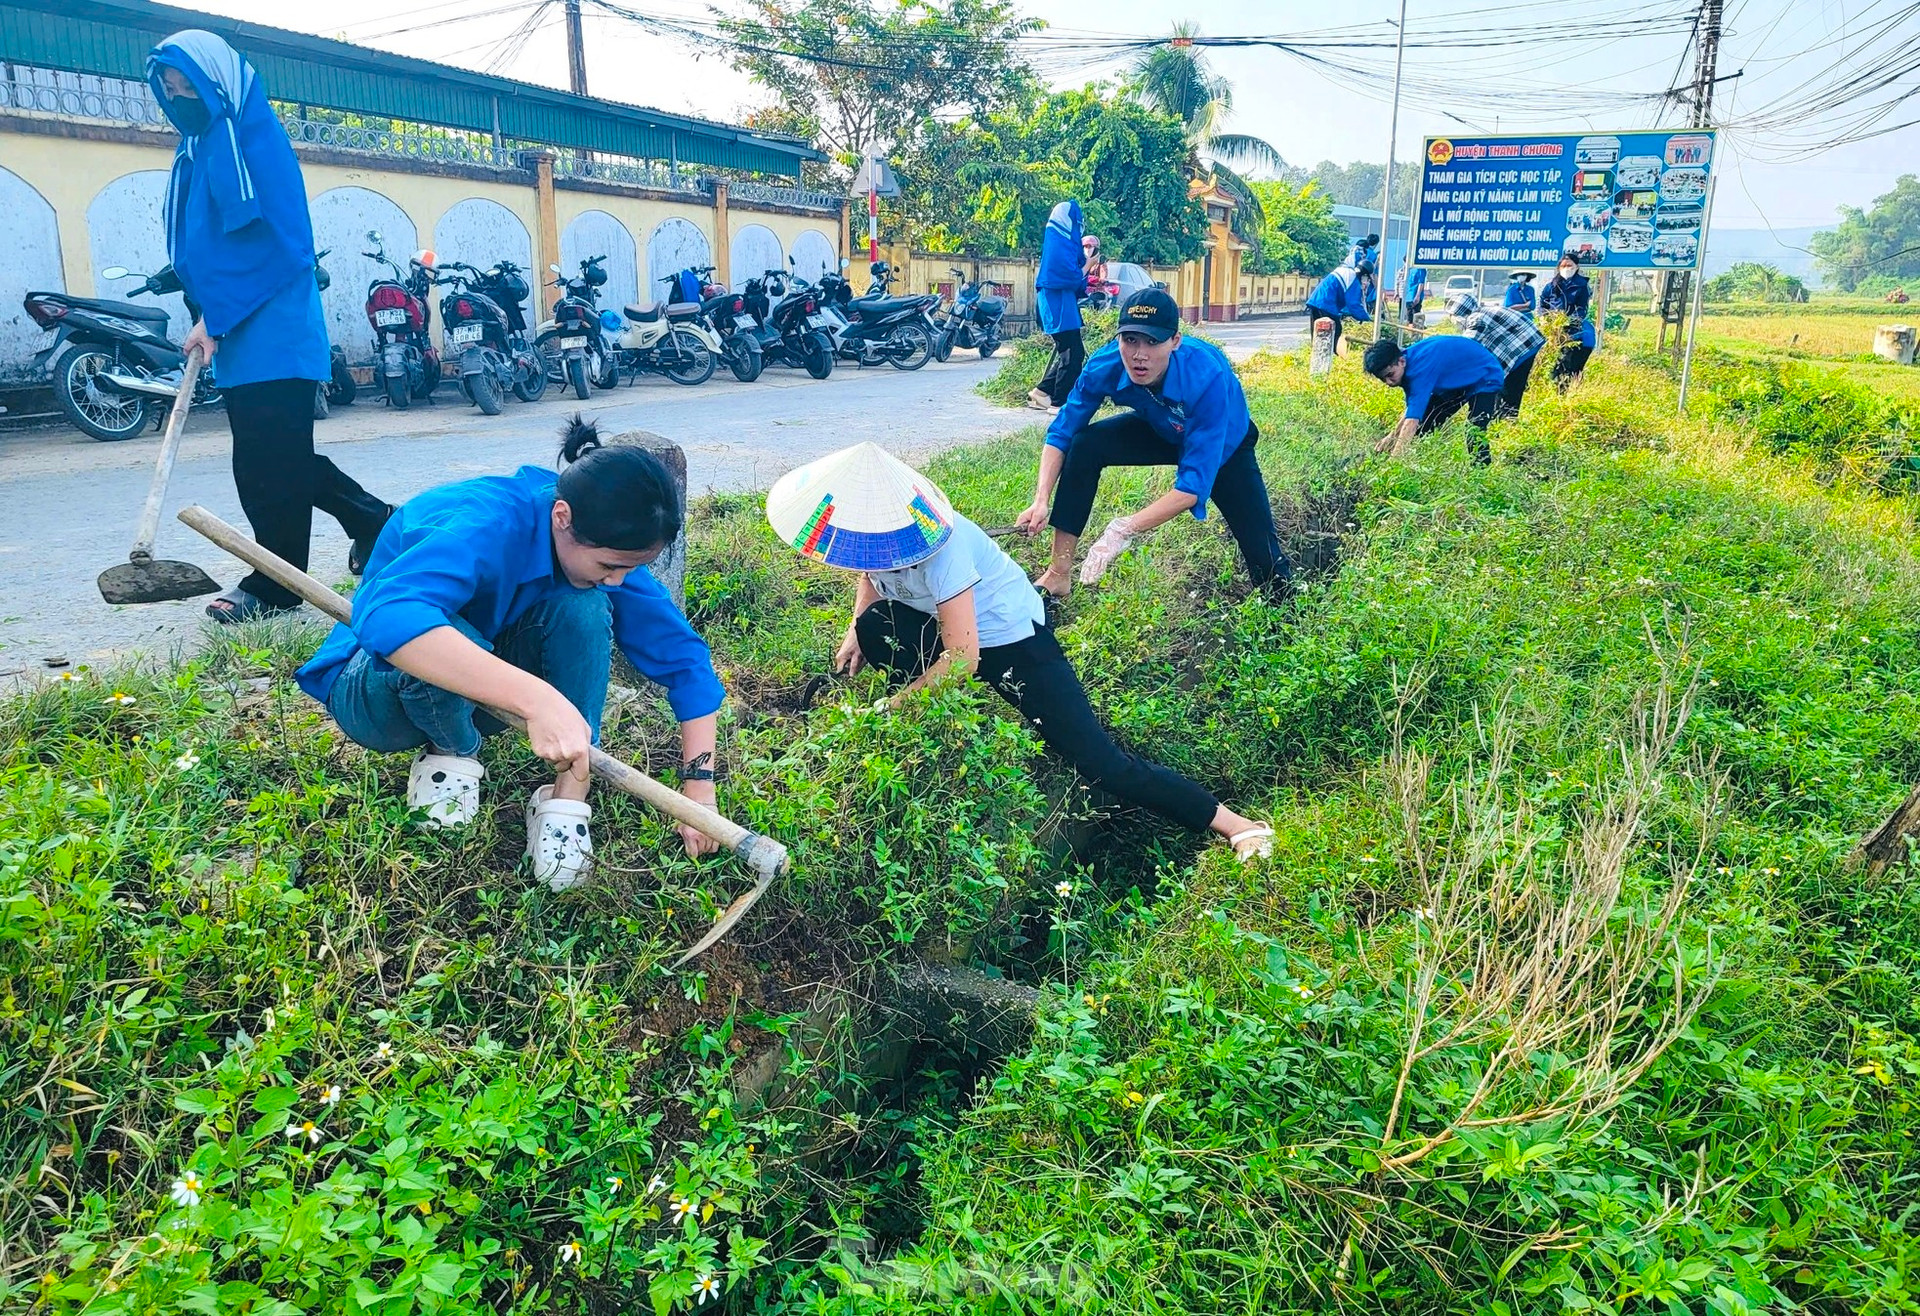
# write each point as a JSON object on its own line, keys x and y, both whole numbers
{"x": 241, "y": 242}
{"x": 511, "y": 591}
{"x": 1186, "y": 410}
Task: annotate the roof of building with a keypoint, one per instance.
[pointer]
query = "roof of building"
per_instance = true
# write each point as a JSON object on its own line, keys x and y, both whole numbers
{"x": 111, "y": 38}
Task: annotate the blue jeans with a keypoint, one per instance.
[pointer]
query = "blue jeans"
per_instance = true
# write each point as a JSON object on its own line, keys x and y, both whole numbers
{"x": 566, "y": 640}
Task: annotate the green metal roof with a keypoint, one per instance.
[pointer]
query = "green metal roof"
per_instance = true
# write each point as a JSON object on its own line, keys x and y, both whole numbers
{"x": 111, "y": 38}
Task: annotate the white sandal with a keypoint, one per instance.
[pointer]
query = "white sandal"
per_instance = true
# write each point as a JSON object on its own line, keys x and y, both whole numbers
{"x": 447, "y": 787}
{"x": 1038, "y": 401}
{"x": 1258, "y": 841}
{"x": 557, "y": 839}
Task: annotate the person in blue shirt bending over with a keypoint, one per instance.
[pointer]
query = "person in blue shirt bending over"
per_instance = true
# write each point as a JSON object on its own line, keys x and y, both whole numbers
{"x": 1440, "y": 375}
{"x": 1520, "y": 292}
{"x": 511, "y": 591}
{"x": 1188, "y": 412}
{"x": 241, "y": 242}
{"x": 1342, "y": 295}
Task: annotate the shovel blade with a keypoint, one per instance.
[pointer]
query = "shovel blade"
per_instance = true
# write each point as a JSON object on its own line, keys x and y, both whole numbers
{"x": 154, "y": 581}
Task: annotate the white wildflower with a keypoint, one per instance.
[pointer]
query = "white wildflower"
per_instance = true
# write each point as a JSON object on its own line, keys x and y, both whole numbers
{"x": 706, "y": 1286}
{"x": 305, "y": 1129}
{"x": 187, "y": 1189}
{"x": 187, "y": 762}
{"x": 1063, "y": 889}
{"x": 569, "y": 1253}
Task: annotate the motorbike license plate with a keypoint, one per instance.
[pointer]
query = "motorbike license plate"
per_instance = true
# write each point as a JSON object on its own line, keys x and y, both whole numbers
{"x": 572, "y": 344}
{"x": 392, "y": 315}
{"x": 465, "y": 333}
{"x": 820, "y": 321}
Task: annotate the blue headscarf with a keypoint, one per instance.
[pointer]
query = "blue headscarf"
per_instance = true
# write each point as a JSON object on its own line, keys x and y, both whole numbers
{"x": 238, "y": 231}
{"x": 1063, "y": 265}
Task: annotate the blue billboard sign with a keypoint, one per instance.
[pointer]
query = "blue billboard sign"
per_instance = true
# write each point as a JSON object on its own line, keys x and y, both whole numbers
{"x": 1619, "y": 201}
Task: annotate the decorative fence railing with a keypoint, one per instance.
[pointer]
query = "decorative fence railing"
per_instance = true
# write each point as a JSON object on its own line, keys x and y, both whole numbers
{"x": 406, "y": 142}
{"x": 626, "y": 169}
{"x": 773, "y": 194}
{"x": 72, "y": 96}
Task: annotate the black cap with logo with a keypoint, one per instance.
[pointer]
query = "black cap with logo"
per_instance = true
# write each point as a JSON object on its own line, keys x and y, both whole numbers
{"x": 1151, "y": 313}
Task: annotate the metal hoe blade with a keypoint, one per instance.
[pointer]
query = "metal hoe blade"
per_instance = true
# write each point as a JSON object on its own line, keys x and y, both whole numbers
{"x": 154, "y": 580}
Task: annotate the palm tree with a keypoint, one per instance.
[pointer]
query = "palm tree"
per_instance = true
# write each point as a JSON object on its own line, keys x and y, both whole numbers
{"x": 1174, "y": 79}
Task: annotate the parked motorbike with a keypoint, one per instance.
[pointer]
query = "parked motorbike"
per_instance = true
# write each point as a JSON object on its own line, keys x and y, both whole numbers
{"x": 972, "y": 321}
{"x": 573, "y": 342}
{"x": 879, "y": 327}
{"x": 405, "y": 360}
{"x": 506, "y": 283}
{"x": 114, "y": 369}
{"x": 725, "y": 312}
{"x": 479, "y": 334}
{"x": 786, "y": 324}
{"x": 667, "y": 338}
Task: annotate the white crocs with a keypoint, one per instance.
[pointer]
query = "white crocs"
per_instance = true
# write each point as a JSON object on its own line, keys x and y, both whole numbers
{"x": 447, "y": 786}
{"x": 557, "y": 839}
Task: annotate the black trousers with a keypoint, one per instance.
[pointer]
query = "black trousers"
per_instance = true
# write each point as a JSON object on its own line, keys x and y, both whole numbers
{"x": 1314, "y": 313}
{"x": 1239, "y": 490}
{"x": 1572, "y": 360}
{"x": 1063, "y": 367}
{"x": 1514, "y": 391}
{"x": 1036, "y": 678}
{"x": 281, "y": 479}
{"x": 1481, "y": 408}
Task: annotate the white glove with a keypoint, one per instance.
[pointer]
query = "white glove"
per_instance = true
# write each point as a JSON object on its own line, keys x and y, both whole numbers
{"x": 1116, "y": 539}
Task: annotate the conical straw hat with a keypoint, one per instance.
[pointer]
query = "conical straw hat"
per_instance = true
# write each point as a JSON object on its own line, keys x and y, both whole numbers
{"x": 862, "y": 509}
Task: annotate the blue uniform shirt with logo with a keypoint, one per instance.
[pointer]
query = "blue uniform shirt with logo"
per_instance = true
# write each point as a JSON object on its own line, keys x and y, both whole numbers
{"x": 483, "y": 550}
{"x": 1448, "y": 363}
{"x": 1199, "y": 409}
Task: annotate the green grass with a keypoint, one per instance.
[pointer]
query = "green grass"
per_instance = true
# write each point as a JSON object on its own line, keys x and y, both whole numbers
{"x": 1832, "y": 336}
{"x": 1463, "y": 719}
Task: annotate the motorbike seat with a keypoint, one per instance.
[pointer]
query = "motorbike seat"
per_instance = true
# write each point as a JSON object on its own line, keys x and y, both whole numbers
{"x": 876, "y": 307}
{"x": 125, "y": 310}
{"x": 643, "y": 314}
{"x": 682, "y": 310}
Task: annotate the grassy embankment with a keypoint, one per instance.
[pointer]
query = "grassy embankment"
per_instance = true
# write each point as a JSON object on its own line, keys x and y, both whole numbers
{"x": 1557, "y": 994}
{"x": 1832, "y": 335}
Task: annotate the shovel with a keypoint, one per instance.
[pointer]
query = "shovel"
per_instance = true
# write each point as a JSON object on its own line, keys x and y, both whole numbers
{"x": 144, "y": 578}
{"x": 765, "y": 856}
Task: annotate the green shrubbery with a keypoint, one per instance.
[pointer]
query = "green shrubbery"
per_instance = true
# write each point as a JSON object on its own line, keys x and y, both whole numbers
{"x": 1805, "y": 411}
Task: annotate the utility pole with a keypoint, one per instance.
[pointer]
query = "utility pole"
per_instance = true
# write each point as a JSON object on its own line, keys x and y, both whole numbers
{"x": 1677, "y": 287}
{"x": 1386, "y": 183}
{"x": 576, "y": 52}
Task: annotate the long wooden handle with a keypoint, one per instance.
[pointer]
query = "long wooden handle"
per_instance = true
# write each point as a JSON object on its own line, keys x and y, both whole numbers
{"x": 149, "y": 526}
{"x": 761, "y": 853}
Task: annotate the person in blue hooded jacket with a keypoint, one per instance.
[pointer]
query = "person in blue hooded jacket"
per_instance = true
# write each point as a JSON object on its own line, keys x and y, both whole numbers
{"x": 241, "y": 243}
{"x": 1569, "y": 293}
{"x": 511, "y": 591}
{"x": 1341, "y": 296}
{"x": 1520, "y": 295}
{"x": 1058, "y": 288}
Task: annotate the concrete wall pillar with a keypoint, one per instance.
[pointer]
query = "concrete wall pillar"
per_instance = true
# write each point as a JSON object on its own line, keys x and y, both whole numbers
{"x": 722, "y": 236}
{"x": 546, "y": 238}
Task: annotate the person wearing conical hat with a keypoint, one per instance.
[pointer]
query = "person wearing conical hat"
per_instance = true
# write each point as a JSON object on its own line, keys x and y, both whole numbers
{"x": 937, "y": 600}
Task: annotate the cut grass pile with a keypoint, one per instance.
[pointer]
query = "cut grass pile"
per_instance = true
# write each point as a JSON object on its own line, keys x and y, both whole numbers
{"x": 1597, "y": 724}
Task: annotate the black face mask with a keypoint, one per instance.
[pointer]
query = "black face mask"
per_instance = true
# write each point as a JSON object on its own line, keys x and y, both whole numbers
{"x": 192, "y": 115}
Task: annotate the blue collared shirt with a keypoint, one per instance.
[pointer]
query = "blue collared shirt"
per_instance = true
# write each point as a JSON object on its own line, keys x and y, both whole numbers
{"x": 1341, "y": 293}
{"x": 1199, "y": 409}
{"x": 1448, "y": 363}
{"x": 483, "y": 550}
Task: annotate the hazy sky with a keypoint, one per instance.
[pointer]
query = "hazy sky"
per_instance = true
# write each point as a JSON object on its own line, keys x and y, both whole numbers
{"x": 1303, "y": 112}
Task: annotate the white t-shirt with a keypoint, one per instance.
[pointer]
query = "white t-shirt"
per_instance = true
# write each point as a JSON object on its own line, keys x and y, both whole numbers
{"x": 1005, "y": 603}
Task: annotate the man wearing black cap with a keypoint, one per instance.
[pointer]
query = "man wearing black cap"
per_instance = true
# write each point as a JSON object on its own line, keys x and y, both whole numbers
{"x": 1188, "y": 412}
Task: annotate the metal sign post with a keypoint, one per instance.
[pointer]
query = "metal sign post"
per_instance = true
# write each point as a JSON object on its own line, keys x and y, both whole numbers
{"x": 1699, "y": 293}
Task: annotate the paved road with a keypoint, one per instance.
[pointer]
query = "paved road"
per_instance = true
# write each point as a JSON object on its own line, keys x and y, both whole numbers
{"x": 68, "y": 504}
{"x": 1242, "y": 338}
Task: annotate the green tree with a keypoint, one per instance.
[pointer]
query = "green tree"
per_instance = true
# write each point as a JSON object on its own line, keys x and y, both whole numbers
{"x": 1175, "y": 79}
{"x": 1749, "y": 281}
{"x": 987, "y": 187}
{"x": 1298, "y": 233}
{"x": 1884, "y": 240}
{"x": 1359, "y": 183}
{"x": 855, "y": 74}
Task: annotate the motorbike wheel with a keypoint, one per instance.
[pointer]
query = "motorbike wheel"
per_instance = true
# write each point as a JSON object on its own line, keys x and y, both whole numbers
{"x": 695, "y": 359}
{"x": 943, "y": 344}
{"x": 342, "y": 389}
{"x": 743, "y": 358}
{"x": 606, "y": 371}
{"x": 322, "y": 405}
{"x": 577, "y": 376}
{"x": 817, "y": 356}
{"x": 989, "y": 345}
{"x": 909, "y": 346}
{"x": 530, "y": 384}
{"x": 399, "y": 396}
{"x": 548, "y": 345}
{"x": 484, "y": 389}
{"x": 98, "y": 412}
